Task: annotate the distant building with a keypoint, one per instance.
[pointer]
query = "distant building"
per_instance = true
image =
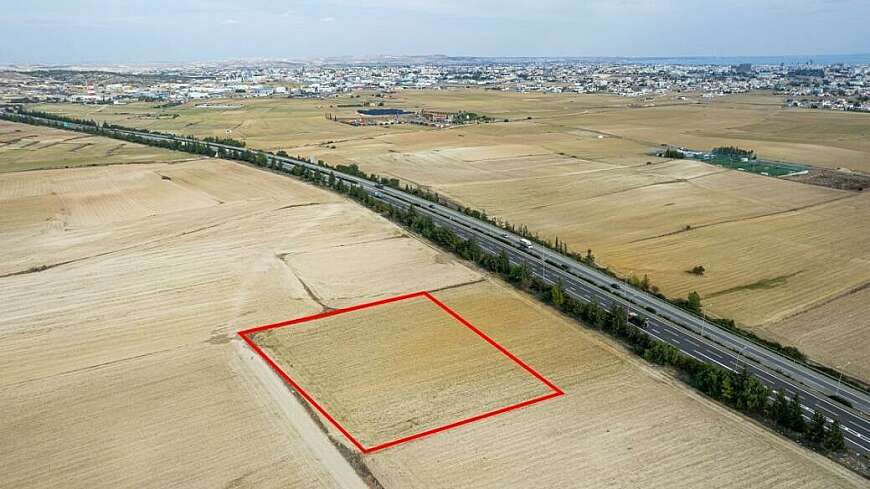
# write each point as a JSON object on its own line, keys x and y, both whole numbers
{"x": 437, "y": 117}
{"x": 743, "y": 68}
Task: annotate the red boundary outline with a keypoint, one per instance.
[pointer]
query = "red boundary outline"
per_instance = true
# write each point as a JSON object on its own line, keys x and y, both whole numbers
{"x": 245, "y": 333}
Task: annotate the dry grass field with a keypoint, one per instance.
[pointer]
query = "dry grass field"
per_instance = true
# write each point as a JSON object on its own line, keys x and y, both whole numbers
{"x": 120, "y": 366}
{"x": 757, "y": 121}
{"x": 32, "y": 147}
{"x": 262, "y": 123}
{"x": 577, "y": 167}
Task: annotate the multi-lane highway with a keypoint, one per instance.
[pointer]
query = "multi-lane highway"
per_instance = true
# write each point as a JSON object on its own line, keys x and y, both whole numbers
{"x": 693, "y": 335}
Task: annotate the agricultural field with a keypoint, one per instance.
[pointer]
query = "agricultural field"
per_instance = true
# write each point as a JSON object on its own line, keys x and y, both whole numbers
{"x": 262, "y": 124}
{"x": 121, "y": 366}
{"x": 36, "y": 148}
{"x": 579, "y": 167}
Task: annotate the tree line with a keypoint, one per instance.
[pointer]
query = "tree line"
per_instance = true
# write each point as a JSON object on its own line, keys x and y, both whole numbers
{"x": 734, "y": 152}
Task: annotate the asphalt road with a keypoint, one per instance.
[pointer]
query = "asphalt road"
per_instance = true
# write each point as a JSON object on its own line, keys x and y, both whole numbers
{"x": 693, "y": 335}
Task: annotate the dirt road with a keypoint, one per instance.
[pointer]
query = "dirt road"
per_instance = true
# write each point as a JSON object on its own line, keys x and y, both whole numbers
{"x": 292, "y": 409}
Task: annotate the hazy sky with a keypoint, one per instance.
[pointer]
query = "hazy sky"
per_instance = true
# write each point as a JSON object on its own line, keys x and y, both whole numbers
{"x": 139, "y": 31}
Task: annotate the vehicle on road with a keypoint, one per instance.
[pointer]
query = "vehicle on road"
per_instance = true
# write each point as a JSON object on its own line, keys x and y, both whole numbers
{"x": 526, "y": 243}
{"x": 637, "y": 320}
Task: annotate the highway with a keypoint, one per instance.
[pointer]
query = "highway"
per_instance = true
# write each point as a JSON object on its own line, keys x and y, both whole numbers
{"x": 691, "y": 334}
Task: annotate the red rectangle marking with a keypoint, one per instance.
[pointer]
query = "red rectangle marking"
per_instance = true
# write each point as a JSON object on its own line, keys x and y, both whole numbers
{"x": 244, "y": 334}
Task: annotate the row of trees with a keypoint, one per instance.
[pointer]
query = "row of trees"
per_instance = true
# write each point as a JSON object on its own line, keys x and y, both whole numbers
{"x": 788, "y": 415}
{"x": 225, "y": 141}
{"x": 734, "y": 151}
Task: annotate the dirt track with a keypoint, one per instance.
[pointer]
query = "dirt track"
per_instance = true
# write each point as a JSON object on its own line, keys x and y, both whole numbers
{"x": 310, "y": 432}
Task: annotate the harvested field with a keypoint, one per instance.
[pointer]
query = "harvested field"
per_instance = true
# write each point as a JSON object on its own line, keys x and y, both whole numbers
{"x": 834, "y": 327}
{"x": 122, "y": 369}
{"x": 162, "y": 419}
{"x": 578, "y": 167}
{"x": 795, "y": 261}
{"x": 263, "y": 124}
{"x": 24, "y": 147}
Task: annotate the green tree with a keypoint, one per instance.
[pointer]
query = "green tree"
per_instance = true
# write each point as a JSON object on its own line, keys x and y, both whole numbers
{"x": 751, "y": 393}
{"x": 594, "y": 314}
{"x": 795, "y": 415}
{"x": 779, "y": 409}
{"x": 693, "y": 303}
{"x": 644, "y": 284}
{"x": 557, "y": 294}
{"x": 520, "y": 274}
{"x": 504, "y": 264}
{"x": 470, "y": 250}
{"x": 618, "y": 320}
{"x": 834, "y": 439}
{"x": 727, "y": 389}
{"x": 817, "y": 429}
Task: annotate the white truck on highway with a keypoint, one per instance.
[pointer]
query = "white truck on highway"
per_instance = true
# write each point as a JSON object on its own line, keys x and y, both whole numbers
{"x": 526, "y": 243}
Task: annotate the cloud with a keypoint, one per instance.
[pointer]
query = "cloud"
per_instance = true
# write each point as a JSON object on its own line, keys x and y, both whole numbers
{"x": 230, "y": 22}
{"x": 327, "y": 19}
